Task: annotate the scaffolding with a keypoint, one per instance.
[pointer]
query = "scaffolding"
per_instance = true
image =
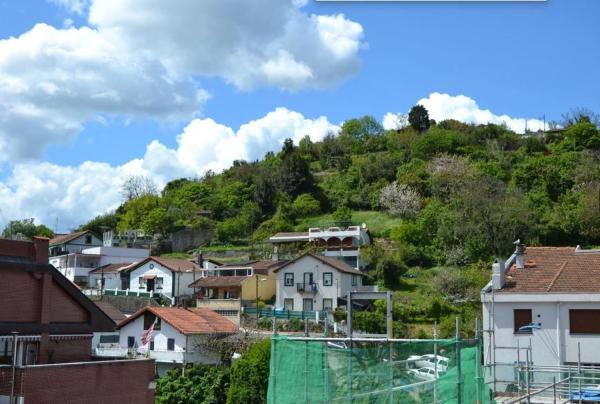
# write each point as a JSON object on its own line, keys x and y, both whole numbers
{"x": 376, "y": 370}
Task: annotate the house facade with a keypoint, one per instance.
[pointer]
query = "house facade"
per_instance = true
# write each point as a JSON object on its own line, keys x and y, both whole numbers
{"x": 77, "y": 266}
{"x": 72, "y": 243}
{"x": 546, "y": 298}
{"x": 179, "y": 336}
{"x": 52, "y": 325}
{"x": 314, "y": 283}
{"x": 167, "y": 276}
{"x": 342, "y": 243}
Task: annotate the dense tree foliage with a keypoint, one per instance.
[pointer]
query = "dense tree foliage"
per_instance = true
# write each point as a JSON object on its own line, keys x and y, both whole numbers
{"x": 250, "y": 375}
{"x": 25, "y": 229}
{"x": 206, "y": 384}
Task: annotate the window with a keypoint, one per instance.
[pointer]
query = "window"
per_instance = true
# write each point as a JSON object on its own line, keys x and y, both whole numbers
{"x": 327, "y": 304}
{"x": 159, "y": 283}
{"x": 109, "y": 339}
{"x": 288, "y": 304}
{"x": 88, "y": 239}
{"x": 327, "y": 278}
{"x": 308, "y": 278}
{"x": 584, "y": 321}
{"x": 171, "y": 344}
{"x": 354, "y": 280}
{"x": 307, "y": 304}
{"x": 157, "y": 324}
{"x": 130, "y": 342}
{"x": 289, "y": 279}
{"x": 6, "y": 346}
{"x": 152, "y": 345}
{"x": 142, "y": 282}
{"x": 522, "y": 317}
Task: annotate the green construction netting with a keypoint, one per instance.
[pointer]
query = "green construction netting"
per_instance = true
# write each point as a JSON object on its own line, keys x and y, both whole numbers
{"x": 374, "y": 372}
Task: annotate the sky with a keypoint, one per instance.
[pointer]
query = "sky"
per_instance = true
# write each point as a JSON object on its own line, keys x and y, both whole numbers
{"x": 94, "y": 91}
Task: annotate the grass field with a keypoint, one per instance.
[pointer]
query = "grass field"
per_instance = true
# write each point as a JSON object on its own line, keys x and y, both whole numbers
{"x": 379, "y": 223}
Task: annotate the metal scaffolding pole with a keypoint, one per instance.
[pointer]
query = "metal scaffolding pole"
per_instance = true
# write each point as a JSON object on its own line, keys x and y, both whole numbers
{"x": 458, "y": 367}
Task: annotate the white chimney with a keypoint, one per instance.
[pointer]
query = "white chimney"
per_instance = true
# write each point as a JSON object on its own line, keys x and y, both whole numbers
{"x": 520, "y": 255}
{"x": 498, "y": 275}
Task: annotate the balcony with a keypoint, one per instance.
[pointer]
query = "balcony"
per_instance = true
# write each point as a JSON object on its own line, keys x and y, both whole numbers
{"x": 110, "y": 352}
{"x": 306, "y": 287}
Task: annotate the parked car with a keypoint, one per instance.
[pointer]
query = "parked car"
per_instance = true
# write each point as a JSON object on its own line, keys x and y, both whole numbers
{"x": 424, "y": 373}
{"x": 429, "y": 361}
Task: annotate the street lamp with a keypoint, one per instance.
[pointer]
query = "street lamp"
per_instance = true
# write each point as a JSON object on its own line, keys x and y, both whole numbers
{"x": 262, "y": 280}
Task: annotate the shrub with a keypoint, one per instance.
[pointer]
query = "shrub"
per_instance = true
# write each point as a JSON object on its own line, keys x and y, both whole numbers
{"x": 201, "y": 384}
{"x": 250, "y": 375}
{"x": 306, "y": 205}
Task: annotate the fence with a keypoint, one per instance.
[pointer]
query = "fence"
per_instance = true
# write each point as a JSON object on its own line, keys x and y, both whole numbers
{"x": 343, "y": 370}
{"x": 251, "y": 311}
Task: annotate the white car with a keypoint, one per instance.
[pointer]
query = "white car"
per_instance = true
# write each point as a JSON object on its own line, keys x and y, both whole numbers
{"x": 424, "y": 373}
{"x": 429, "y": 361}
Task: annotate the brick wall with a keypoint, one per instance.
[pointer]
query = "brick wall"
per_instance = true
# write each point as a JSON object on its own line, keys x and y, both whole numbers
{"x": 109, "y": 382}
{"x": 70, "y": 350}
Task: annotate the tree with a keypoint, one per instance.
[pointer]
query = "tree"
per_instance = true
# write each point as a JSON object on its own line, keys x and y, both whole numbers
{"x": 102, "y": 223}
{"x": 136, "y": 210}
{"x": 400, "y": 200}
{"x": 295, "y": 176}
{"x": 157, "y": 221}
{"x": 250, "y": 375}
{"x": 306, "y": 205}
{"x": 136, "y": 186}
{"x": 206, "y": 384}
{"x": 342, "y": 216}
{"x": 418, "y": 117}
{"x": 25, "y": 229}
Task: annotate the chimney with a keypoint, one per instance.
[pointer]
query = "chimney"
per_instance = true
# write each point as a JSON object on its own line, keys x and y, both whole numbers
{"x": 275, "y": 256}
{"x": 498, "y": 275}
{"x": 40, "y": 246}
{"x": 200, "y": 259}
{"x": 520, "y": 255}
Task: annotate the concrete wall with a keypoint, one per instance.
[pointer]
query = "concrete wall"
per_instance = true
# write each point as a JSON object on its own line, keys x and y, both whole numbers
{"x": 266, "y": 289}
{"x": 187, "y": 239}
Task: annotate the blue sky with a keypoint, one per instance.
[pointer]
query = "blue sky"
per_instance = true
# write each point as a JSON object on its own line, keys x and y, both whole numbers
{"x": 523, "y": 60}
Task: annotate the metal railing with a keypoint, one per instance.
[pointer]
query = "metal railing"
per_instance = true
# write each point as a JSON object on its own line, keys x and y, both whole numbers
{"x": 306, "y": 287}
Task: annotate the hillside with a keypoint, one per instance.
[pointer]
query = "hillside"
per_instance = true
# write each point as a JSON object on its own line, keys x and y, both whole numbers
{"x": 442, "y": 202}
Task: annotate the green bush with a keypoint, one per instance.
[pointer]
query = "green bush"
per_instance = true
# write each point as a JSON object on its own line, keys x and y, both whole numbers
{"x": 250, "y": 375}
{"x": 205, "y": 384}
{"x": 306, "y": 205}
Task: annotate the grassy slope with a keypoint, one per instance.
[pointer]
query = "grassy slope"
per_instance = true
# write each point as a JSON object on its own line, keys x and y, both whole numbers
{"x": 379, "y": 223}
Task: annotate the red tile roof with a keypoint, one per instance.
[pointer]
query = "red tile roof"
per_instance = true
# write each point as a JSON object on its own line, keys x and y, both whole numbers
{"x": 555, "y": 270}
{"x": 65, "y": 238}
{"x": 193, "y": 320}
{"x": 332, "y": 262}
{"x": 172, "y": 264}
{"x": 218, "y": 282}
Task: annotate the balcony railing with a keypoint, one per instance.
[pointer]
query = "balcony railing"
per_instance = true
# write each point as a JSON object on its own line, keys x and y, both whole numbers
{"x": 110, "y": 352}
{"x": 306, "y": 287}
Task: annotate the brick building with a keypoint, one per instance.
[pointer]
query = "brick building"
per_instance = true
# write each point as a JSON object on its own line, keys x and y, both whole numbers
{"x": 54, "y": 323}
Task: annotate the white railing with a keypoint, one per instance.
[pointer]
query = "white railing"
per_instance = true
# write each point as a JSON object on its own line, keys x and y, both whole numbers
{"x": 110, "y": 352}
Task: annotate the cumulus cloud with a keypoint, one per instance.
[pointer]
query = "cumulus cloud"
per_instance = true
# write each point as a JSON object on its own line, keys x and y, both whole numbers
{"x": 143, "y": 59}
{"x": 76, "y": 194}
{"x": 465, "y": 109}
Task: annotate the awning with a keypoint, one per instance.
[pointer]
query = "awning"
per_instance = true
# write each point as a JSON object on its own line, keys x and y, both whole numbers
{"x": 149, "y": 276}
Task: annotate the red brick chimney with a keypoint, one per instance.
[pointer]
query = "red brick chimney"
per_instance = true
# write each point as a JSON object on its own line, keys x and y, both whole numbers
{"x": 40, "y": 246}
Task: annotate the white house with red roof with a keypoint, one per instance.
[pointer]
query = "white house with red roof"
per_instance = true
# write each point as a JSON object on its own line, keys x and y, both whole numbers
{"x": 548, "y": 297}
{"x": 314, "y": 283}
{"x": 170, "y": 277}
{"x": 178, "y": 336}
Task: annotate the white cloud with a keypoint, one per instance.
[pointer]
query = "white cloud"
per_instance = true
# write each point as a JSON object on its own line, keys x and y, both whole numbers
{"x": 393, "y": 120}
{"x": 465, "y": 109}
{"x": 76, "y": 194}
{"x": 143, "y": 58}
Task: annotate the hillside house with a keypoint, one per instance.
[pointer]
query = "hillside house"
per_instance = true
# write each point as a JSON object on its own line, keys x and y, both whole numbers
{"x": 342, "y": 243}
{"x": 63, "y": 244}
{"x": 168, "y": 276}
{"x": 314, "y": 283}
{"x": 77, "y": 266}
{"x": 229, "y": 287}
{"x": 180, "y": 335}
{"x": 546, "y": 296}
{"x": 54, "y": 324}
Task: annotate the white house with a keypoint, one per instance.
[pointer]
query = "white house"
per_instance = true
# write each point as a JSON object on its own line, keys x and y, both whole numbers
{"x": 168, "y": 276}
{"x": 78, "y": 265}
{"x": 72, "y": 243}
{"x": 548, "y": 297}
{"x": 343, "y": 243}
{"x": 314, "y": 283}
{"x": 180, "y": 335}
